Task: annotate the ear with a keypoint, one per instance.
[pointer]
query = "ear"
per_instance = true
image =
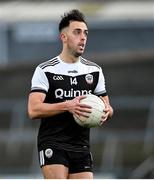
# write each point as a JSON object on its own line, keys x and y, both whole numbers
{"x": 63, "y": 37}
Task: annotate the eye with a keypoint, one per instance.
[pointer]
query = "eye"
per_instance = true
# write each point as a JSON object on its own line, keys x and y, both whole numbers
{"x": 77, "y": 31}
{"x": 86, "y": 33}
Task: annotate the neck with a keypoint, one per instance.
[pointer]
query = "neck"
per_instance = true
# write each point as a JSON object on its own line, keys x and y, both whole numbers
{"x": 68, "y": 58}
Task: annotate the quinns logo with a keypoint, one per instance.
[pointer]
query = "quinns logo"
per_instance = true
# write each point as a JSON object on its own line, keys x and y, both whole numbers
{"x": 89, "y": 78}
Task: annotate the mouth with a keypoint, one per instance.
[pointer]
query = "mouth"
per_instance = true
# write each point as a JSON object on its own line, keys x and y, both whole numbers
{"x": 81, "y": 45}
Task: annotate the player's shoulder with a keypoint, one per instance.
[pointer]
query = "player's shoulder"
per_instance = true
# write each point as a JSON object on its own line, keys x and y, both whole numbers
{"x": 89, "y": 63}
{"x": 49, "y": 63}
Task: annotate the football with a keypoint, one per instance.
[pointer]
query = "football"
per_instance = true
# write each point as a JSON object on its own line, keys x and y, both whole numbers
{"x": 94, "y": 118}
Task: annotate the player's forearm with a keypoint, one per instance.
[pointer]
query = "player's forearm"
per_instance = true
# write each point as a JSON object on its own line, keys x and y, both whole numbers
{"x": 42, "y": 110}
{"x": 110, "y": 111}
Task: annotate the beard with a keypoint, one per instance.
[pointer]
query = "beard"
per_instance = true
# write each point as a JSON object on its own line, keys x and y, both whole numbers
{"x": 74, "y": 51}
{"x": 77, "y": 54}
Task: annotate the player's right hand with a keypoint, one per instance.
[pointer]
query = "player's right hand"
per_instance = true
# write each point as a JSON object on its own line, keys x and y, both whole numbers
{"x": 76, "y": 108}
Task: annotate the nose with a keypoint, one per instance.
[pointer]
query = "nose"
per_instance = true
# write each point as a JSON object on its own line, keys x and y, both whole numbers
{"x": 83, "y": 36}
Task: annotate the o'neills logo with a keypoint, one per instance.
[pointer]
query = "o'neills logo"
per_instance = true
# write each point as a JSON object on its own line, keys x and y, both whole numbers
{"x": 89, "y": 78}
{"x": 60, "y": 93}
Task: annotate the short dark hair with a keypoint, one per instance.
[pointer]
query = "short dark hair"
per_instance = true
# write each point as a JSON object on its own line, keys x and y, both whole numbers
{"x": 73, "y": 15}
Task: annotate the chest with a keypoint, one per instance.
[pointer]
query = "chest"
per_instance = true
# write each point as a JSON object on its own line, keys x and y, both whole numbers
{"x": 66, "y": 86}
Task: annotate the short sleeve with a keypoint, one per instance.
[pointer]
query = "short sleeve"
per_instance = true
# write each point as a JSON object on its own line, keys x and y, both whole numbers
{"x": 39, "y": 81}
{"x": 100, "y": 88}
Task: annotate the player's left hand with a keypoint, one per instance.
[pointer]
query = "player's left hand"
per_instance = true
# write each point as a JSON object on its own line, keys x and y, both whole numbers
{"x": 106, "y": 112}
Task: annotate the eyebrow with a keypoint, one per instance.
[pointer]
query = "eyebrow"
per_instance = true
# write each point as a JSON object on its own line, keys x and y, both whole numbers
{"x": 81, "y": 29}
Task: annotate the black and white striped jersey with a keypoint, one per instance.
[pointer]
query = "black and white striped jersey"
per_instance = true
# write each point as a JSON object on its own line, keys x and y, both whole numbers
{"x": 62, "y": 81}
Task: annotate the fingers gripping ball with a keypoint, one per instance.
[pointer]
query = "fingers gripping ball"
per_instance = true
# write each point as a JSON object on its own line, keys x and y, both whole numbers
{"x": 95, "y": 116}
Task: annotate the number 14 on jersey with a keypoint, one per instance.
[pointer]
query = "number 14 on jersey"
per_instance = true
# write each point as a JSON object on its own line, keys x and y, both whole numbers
{"x": 73, "y": 81}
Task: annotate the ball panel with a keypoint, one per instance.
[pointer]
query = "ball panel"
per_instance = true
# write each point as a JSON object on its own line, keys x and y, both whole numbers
{"x": 94, "y": 118}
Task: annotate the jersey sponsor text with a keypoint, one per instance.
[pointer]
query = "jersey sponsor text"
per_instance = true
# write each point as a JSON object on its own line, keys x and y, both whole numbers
{"x": 60, "y": 93}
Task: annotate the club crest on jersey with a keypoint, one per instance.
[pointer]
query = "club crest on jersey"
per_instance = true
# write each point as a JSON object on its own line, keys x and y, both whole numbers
{"x": 48, "y": 153}
{"x": 89, "y": 78}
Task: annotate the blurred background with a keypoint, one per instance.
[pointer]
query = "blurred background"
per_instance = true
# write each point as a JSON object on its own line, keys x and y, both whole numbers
{"x": 121, "y": 41}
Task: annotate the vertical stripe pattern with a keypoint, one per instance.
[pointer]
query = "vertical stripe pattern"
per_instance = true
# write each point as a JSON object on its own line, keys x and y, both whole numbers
{"x": 41, "y": 158}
